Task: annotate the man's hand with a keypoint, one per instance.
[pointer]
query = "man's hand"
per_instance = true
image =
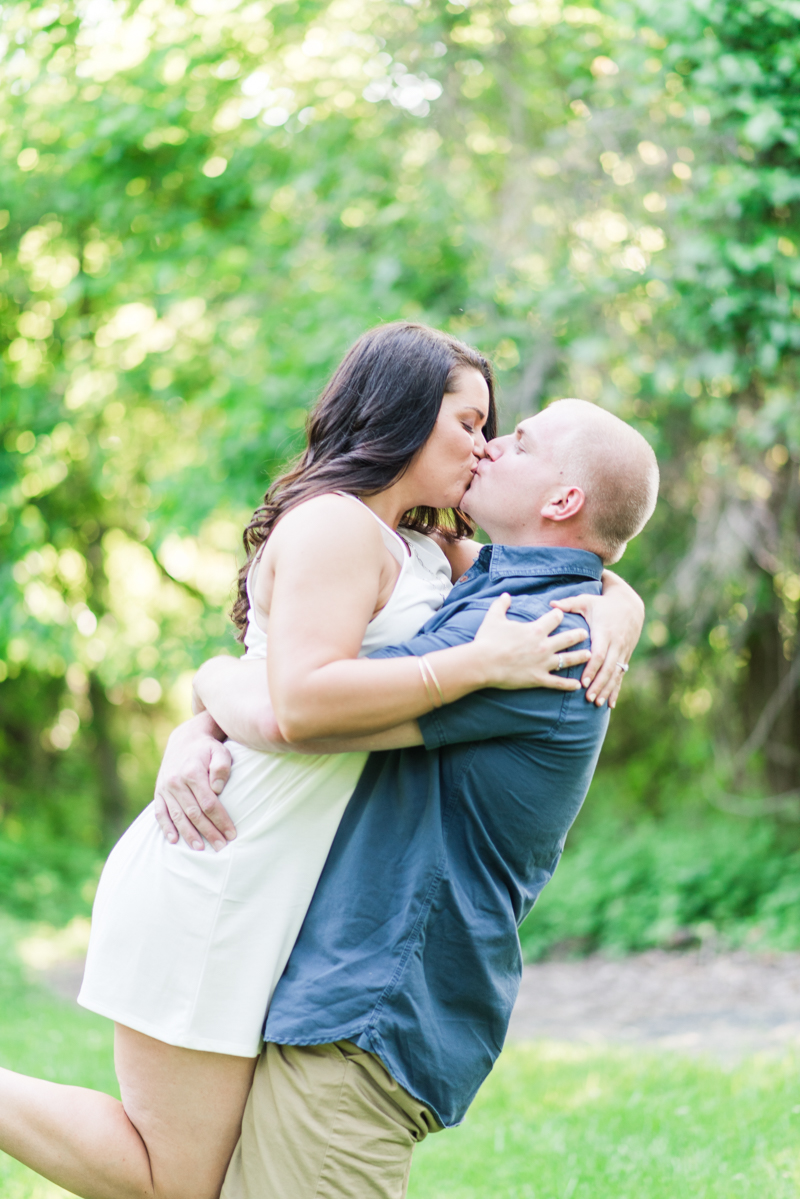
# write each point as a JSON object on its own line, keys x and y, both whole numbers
{"x": 193, "y": 772}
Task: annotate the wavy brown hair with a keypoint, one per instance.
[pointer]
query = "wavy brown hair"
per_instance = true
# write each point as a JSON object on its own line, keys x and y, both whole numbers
{"x": 371, "y": 420}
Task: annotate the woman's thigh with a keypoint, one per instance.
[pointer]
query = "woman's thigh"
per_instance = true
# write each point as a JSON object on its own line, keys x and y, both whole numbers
{"x": 187, "y": 1107}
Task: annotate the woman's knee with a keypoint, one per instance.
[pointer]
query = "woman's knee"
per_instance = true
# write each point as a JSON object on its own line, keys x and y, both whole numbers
{"x": 187, "y": 1107}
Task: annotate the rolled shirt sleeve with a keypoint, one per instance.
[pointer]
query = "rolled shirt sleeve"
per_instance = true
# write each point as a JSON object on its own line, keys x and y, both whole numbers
{"x": 485, "y": 715}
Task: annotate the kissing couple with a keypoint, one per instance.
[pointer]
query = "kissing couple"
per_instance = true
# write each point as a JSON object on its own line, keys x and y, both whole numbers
{"x": 310, "y": 974}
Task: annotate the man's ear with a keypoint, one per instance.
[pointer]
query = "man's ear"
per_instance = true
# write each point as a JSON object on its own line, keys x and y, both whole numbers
{"x": 565, "y": 503}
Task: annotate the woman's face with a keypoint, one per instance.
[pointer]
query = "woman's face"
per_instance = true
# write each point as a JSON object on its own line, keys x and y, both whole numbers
{"x": 443, "y": 469}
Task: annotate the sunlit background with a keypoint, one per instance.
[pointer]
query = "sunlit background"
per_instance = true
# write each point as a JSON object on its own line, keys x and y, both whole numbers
{"x": 202, "y": 204}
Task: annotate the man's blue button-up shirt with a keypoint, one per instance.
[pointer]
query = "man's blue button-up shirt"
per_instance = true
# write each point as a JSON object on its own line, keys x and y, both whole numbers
{"x": 410, "y": 945}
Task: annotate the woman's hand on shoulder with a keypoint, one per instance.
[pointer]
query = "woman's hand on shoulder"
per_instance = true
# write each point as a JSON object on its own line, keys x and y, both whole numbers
{"x": 518, "y": 654}
{"x": 615, "y": 620}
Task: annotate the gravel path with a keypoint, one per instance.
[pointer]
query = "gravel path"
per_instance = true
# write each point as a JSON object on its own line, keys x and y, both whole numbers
{"x": 727, "y": 1005}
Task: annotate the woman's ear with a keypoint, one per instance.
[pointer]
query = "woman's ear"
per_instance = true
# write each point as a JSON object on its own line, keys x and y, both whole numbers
{"x": 564, "y": 503}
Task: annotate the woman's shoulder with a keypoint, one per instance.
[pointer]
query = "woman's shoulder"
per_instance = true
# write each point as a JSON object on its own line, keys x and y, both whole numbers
{"x": 330, "y": 519}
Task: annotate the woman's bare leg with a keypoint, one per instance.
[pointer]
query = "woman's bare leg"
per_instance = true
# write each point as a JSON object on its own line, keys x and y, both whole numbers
{"x": 171, "y": 1137}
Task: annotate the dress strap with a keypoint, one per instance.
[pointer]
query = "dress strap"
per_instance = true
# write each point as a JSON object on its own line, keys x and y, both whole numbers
{"x": 397, "y": 540}
{"x": 251, "y": 575}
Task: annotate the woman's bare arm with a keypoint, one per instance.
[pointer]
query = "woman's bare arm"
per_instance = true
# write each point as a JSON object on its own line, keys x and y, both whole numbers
{"x": 239, "y": 703}
{"x": 319, "y": 585}
{"x": 196, "y": 766}
{"x": 317, "y": 617}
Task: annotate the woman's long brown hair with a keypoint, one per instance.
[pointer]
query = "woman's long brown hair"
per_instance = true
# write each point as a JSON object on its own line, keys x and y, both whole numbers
{"x": 373, "y": 417}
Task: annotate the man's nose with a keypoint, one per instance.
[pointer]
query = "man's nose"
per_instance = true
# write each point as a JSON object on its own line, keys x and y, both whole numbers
{"x": 494, "y": 448}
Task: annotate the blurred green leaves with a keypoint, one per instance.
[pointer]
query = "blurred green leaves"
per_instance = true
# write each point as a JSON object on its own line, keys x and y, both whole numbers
{"x": 204, "y": 203}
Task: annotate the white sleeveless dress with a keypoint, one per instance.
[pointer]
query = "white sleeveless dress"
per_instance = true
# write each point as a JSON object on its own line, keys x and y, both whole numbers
{"x": 188, "y": 947}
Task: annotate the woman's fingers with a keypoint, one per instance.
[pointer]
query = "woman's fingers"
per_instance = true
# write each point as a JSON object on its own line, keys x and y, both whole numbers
{"x": 496, "y": 612}
{"x": 594, "y": 664}
{"x": 614, "y": 696}
{"x": 558, "y": 682}
{"x": 549, "y": 622}
{"x": 561, "y": 641}
{"x": 605, "y": 681}
{"x": 572, "y": 603}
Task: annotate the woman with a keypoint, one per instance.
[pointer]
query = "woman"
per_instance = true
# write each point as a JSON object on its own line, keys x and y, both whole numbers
{"x": 186, "y": 947}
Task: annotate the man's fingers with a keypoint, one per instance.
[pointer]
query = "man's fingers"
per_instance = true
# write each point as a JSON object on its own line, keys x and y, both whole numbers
{"x": 202, "y": 807}
{"x": 180, "y": 801}
{"x": 219, "y": 768}
{"x": 193, "y": 825}
{"x": 163, "y": 819}
{"x": 185, "y": 806}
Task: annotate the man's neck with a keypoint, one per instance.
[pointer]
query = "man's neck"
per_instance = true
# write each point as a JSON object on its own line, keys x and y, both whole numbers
{"x": 542, "y": 537}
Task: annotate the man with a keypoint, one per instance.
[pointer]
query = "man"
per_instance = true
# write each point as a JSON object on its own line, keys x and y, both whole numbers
{"x": 396, "y": 999}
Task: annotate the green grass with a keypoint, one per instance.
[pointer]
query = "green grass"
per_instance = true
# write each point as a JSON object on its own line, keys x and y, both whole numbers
{"x": 565, "y": 1122}
{"x": 552, "y": 1122}
{"x": 50, "y": 1038}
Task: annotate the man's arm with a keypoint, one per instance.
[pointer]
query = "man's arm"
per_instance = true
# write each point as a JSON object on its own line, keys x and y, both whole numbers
{"x": 491, "y": 713}
{"x": 235, "y": 692}
{"x": 478, "y": 717}
{"x": 196, "y": 766}
{"x": 193, "y": 771}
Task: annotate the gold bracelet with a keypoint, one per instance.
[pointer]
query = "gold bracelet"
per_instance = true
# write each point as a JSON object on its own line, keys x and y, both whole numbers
{"x": 429, "y": 693}
{"x": 434, "y": 679}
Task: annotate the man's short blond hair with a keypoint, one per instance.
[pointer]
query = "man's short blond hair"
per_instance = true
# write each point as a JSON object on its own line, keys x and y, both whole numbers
{"x": 616, "y": 469}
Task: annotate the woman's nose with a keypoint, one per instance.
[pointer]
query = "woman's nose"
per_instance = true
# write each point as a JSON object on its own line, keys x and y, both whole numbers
{"x": 479, "y": 444}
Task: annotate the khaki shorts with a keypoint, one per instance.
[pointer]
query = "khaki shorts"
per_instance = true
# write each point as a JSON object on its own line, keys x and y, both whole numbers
{"x": 325, "y": 1122}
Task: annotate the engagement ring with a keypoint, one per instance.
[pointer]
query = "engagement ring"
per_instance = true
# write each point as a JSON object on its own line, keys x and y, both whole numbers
{"x": 623, "y": 667}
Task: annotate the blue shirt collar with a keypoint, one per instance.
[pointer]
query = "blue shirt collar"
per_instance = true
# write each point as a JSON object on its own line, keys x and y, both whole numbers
{"x": 499, "y": 560}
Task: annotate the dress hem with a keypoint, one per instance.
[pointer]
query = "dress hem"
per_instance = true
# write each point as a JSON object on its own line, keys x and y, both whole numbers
{"x": 203, "y": 1044}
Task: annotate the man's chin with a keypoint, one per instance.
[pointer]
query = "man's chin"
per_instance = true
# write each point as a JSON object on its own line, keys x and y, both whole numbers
{"x": 466, "y": 503}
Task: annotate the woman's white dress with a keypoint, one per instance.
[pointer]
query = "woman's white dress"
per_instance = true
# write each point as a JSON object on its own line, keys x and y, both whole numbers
{"x": 188, "y": 947}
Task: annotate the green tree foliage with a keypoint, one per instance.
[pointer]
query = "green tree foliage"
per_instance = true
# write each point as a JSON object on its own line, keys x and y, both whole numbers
{"x": 203, "y": 203}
